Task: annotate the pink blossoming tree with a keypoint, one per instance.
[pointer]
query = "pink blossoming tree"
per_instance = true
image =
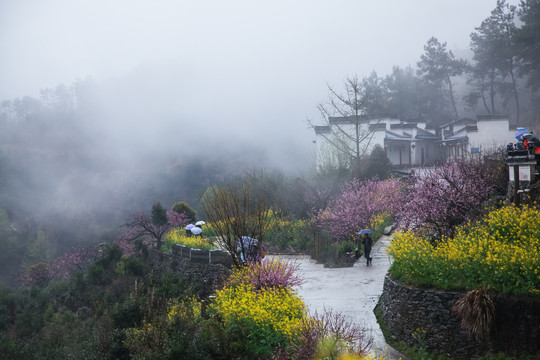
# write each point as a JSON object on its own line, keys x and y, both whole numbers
{"x": 76, "y": 259}
{"x": 358, "y": 203}
{"x": 442, "y": 198}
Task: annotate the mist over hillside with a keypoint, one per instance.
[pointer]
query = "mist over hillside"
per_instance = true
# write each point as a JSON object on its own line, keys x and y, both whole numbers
{"x": 76, "y": 163}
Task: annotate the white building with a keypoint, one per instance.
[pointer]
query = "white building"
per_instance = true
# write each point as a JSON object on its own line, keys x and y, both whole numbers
{"x": 405, "y": 143}
{"x": 483, "y": 135}
{"x": 408, "y": 143}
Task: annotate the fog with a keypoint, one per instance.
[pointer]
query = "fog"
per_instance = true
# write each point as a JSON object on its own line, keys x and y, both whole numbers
{"x": 218, "y": 71}
{"x": 172, "y": 96}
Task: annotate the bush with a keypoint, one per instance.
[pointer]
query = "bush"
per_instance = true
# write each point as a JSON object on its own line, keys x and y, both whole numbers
{"x": 269, "y": 273}
{"x": 132, "y": 265}
{"x": 111, "y": 254}
{"x": 127, "y": 314}
{"x": 345, "y": 247}
{"x": 182, "y": 207}
{"x": 172, "y": 286}
{"x": 283, "y": 232}
{"x": 97, "y": 275}
{"x": 264, "y": 318}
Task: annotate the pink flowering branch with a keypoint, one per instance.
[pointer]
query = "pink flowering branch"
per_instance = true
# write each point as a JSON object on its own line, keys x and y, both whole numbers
{"x": 62, "y": 267}
{"x": 445, "y": 197}
{"x": 359, "y": 201}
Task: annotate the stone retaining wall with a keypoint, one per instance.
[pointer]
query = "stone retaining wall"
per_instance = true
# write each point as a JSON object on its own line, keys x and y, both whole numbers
{"x": 426, "y": 312}
{"x": 204, "y": 270}
{"x": 202, "y": 256}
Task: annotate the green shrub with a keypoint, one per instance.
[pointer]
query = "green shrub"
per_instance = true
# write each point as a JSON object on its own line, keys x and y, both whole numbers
{"x": 126, "y": 314}
{"x": 132, "y": 265}
{"x": 344, "y": 247}
{"x": 111, "y": 254}
{"x": 97, "y": 275}
{"x": 183, "y": 207}
{"x": 172, "y": 286}
{"x": 284, "y": 232}
{"x": 12, "y": 349}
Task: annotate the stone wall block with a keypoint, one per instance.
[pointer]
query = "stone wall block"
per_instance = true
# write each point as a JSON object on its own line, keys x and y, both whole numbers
{"x": 406, "y": 310}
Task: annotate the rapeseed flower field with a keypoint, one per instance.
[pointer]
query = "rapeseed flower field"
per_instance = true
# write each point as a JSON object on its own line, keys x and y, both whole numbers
{"x": 178, "y": 236}
{"x": 501, "y": 253}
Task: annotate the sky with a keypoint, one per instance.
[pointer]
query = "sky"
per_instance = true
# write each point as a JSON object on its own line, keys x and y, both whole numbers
{"x": 256, "y": 68}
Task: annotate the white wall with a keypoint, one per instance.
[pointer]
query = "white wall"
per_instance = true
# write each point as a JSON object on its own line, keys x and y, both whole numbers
{"x": 492, "y": 134}
{"x": 393, "y": 153}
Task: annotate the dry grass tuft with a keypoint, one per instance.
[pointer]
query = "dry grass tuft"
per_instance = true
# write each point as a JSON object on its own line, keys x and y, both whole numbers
{"x": 477, "y": 312}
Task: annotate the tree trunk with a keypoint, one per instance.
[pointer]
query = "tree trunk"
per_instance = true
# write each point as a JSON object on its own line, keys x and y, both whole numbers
{"x": 492, "y": 91}
{"x": 452, "y": 95}
{"x": 515, "y": 89}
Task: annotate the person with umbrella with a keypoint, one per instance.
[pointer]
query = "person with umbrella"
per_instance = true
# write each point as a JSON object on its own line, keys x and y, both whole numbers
{"x": 367, "y": 242}
{"x": 188, "y": 229}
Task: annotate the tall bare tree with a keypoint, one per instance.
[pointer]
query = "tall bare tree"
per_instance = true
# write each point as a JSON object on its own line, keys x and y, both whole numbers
{"x": 351, "y": 105}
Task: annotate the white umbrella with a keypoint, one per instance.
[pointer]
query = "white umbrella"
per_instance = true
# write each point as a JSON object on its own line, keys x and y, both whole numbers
{"x": 196, "y": 231}
{"x": 199, "y": 223}
{"x": 365, "y": 231}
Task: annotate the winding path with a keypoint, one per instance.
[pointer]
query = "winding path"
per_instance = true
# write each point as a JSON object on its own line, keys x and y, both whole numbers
{"x": 353, "y": 292}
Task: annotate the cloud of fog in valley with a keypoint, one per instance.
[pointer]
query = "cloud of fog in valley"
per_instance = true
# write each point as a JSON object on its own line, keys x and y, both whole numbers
{"x": 178, "y": 85}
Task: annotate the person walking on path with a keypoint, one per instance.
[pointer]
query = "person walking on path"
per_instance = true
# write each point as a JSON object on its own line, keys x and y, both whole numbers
{"x": 367, "y": 242}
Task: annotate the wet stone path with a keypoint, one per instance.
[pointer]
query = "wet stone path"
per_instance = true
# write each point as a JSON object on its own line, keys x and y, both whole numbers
{"x": 353, "y": 292}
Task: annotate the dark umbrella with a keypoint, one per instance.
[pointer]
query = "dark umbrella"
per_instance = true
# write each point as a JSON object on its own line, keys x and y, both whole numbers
{"x": 365, "y": 231}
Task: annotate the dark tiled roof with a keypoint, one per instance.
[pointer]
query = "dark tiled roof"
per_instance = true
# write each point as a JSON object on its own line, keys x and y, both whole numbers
{"x": 393, "y": 136}
{"x": 323, "y": 129}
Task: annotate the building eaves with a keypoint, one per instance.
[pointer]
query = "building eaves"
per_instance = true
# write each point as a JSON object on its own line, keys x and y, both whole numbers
{"x": 323, "y": 129}
{"x": 464, "y": 121}
{"x": 424, "y": 134}
{"x": 456, "y": 137}
{"x": 393, "y": 136}
{"x": 491, "y": 117}
{"x": 377, "y": 126}
{"x": 347, "y": 120}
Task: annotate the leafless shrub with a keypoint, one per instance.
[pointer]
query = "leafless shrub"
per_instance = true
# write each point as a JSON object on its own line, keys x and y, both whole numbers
{"x": 235, "y": 214}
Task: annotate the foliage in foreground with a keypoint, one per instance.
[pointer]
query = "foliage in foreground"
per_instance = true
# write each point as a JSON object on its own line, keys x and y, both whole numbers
{"x": 268, "y": 273}
{"x": 502, "y": 253}
{"x": 259, "y": 320}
